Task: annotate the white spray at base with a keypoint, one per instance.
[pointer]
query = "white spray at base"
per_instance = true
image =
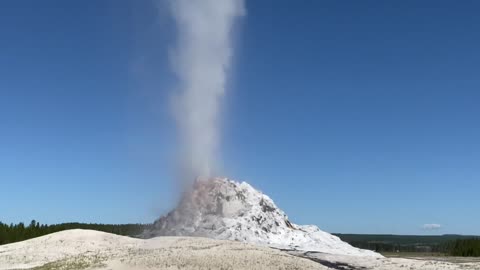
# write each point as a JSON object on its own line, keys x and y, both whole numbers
{"x": 201, "y": 61}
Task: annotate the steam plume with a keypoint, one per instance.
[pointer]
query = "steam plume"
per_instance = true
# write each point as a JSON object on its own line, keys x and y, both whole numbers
{"x": 201, "y": 60}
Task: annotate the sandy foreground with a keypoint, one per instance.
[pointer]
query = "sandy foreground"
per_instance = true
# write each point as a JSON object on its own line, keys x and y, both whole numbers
{"x": 85, "y": 249}
{"x": 366, "y": 263}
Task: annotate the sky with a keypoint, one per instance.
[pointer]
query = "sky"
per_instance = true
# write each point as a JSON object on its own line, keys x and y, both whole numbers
{"x": 356, "y": 116}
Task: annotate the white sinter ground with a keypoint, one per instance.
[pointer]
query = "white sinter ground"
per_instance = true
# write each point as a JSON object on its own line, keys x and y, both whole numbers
{"x": 220, "y": 208}
{"x": 86, "y": 249}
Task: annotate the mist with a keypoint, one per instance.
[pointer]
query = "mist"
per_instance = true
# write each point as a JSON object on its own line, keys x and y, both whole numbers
{"x": 201, "y": 59}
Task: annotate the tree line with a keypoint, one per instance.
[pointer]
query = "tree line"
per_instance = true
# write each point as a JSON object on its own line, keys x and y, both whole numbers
{"x": 453, "y": 245}
{"x": 466, "y": 248}
{"x": 459, "y": 248}
{"x": 396, "y": 247}
{"x": 10, "y": 233}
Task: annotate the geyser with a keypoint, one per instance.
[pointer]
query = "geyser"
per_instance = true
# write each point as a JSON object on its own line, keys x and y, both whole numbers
{"x": 201, "y": 61}
{"x": 217, "y": 207}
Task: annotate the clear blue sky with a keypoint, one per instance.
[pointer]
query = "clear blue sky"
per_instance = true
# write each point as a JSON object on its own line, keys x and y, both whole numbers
{"x": 356, "y": 116}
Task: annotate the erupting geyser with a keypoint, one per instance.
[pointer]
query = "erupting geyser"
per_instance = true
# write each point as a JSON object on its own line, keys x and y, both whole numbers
{"x": 217, "y": 207}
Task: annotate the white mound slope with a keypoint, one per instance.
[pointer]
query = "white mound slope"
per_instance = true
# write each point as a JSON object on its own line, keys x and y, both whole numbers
{"x": 85, "y": 249}
{"x": 223, "y": 209}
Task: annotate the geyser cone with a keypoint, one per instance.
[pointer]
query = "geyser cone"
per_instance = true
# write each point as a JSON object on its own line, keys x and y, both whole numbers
{"x": 220, "y": 208}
